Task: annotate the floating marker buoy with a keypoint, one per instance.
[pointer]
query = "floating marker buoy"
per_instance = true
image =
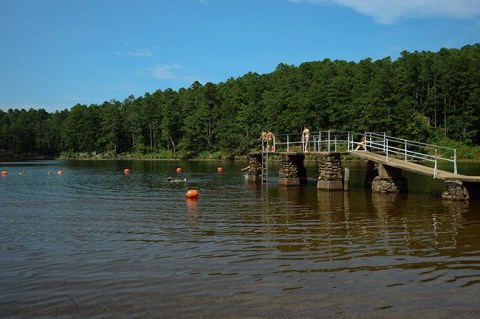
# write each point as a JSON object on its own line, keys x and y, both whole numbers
{"x": 192, "y": 193}
{"x": 220, "y": 169}
{"x": 4, "y": 173}
{"x": 59, "y": 172}
{"x": 179, "y": 170}
{"x": 126, "y": 171}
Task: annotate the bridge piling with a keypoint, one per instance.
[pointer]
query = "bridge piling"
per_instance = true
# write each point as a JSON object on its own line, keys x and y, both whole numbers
{"x": 456, "y": 191}
{"x": 330, "y": 174}
{"x": 390, "y": 180}
{"x": 255, "y": 168}
{"x": 292, "y": 170}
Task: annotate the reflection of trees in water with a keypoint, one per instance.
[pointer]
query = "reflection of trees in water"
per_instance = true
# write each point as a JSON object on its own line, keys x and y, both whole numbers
{"x": 321, "y": 225}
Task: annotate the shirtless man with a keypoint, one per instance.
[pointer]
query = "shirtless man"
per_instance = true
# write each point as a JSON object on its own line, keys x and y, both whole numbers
{"x": 306, "y": 136}
{"x": 263, "y": 137}
{"x": 270, "y": 137}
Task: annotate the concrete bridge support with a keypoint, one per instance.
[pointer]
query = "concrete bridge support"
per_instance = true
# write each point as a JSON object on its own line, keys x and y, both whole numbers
{"x": 390, "y": 180}
{"x": 292, "y": 170}
{"x": 255, "y": 168}
{"x": 330, "y": 172}
{"x": 372, "y": 172}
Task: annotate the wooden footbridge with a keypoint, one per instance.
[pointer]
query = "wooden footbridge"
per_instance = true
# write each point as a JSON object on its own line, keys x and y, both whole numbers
{"x": 388, "y": 156}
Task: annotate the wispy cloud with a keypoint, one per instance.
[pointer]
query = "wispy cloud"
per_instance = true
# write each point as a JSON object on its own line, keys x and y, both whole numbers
{"x": 174, "y": 72}
{"x": 165, "y": 72}
{"x": 141, "y": 53}
{"x": 391, "y": 11}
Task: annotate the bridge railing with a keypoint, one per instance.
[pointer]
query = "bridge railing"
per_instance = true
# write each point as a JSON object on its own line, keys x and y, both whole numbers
{"x": 394, "y": 147}
{"x": 326, "y": 141}
{"x": 343, "y": 141}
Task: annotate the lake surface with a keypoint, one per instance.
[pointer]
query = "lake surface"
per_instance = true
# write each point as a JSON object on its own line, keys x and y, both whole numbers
{"x": 96, "y": 243}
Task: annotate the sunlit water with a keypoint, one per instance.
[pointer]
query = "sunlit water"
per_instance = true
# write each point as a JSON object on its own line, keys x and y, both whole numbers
{"x": 96, "y": 243}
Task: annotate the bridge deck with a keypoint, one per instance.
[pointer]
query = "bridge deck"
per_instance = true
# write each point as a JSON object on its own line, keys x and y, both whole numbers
{"x": 414, "y": 167}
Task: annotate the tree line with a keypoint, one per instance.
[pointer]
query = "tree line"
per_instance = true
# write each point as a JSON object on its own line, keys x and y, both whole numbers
{"x": 424, "y": 96}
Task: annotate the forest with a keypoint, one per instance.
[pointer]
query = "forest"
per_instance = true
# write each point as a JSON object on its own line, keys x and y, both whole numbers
{"x": 426, "y": 96}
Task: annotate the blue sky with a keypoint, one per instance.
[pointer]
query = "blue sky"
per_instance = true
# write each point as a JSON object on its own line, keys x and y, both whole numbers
{"x": 57, "y": 53}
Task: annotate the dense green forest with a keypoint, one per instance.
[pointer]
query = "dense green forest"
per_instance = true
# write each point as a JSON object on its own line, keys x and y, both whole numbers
{"x": 426, "y": 96}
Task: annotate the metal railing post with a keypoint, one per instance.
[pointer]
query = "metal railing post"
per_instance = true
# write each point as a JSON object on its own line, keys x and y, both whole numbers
{"x": 303, "y": 143}
{"x": 405, "y": 150}
{"x": 436, "y": 165}
{"x": 384, "y": 140}
{"x": 350, "y": 140}
{"x": 455, "y": 161}
{"x": 319, "y": 141}
{"x": 288, "y": 142}
{"x": 386, "y": 148}
{"x": 329, "y": 141}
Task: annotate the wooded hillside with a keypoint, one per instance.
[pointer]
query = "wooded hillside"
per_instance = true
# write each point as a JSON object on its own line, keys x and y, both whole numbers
{"x": 424, "y": 96}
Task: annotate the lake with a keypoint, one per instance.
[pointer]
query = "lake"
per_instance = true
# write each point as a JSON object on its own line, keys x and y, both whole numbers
{"x": 97, "y": 243}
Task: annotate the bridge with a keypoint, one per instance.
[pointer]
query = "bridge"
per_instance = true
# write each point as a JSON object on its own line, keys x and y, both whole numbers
{"x": 387, "y": 158}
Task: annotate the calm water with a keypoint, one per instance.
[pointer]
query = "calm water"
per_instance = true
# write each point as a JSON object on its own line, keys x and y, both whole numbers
{"x": 97, "y": 243}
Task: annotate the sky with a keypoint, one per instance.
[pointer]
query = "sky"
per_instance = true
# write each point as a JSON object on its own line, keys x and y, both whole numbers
{"x": 55, "y": 54}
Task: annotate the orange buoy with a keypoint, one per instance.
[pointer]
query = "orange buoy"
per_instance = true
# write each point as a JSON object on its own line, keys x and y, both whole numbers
{"x": 179, "y": 170}
{"x": 220, "y": 169}
{"x": 60, "y": 172}
{"x": 126, "y": 171}
{"x": 192, "y": 193}
{"x": 4, "y": 173}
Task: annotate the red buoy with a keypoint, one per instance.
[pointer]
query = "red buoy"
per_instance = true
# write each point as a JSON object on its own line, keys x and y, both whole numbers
{"x": 179, "y": 169}
{"x": 192, "y": 193}
{"x": 60, "y": 172}
{"x": 220, "y": 169}
{"x": 126, "y": 171}
{"x": 4, "y": 173}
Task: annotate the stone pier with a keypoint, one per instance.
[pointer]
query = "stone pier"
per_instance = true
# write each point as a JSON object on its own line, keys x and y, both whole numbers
{"x": 292, "y": 171}
{"x": 330, "y": 175}
{"x": 456, "y": 191}
{"x": 390, "y": 180}
{"x": 255, "y": 168}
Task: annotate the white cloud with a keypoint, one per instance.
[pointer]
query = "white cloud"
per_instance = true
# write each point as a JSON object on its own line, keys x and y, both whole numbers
{"x": 166, "y": 71}
{"x": 141, "y": 53}
{"x": 391, "y": 11}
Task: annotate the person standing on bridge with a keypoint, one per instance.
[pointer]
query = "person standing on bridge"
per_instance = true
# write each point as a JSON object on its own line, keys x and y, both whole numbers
{"x": 270, "y": 139}
{"x": 263, "y": 137}
{"x": 305, "y": 137}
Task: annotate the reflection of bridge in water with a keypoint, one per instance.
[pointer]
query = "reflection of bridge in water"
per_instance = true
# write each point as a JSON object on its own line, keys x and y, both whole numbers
{"x": 387, "y": 158}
